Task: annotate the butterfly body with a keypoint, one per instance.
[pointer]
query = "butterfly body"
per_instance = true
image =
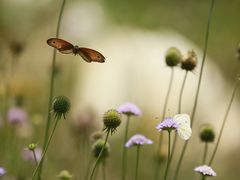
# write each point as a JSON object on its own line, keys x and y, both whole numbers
{"x": 64, "y": 47}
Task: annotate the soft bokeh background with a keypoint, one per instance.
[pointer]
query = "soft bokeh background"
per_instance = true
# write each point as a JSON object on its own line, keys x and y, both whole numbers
{"x": 133, "y": 36}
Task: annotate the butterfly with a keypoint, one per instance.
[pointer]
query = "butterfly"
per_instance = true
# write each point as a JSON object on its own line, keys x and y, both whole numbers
{"x": 184, "y": 130}
{"x": 89, "y": 55}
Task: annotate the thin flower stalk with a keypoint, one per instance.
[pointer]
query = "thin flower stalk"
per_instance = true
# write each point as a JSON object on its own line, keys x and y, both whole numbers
{"x": 45, "y": 150}
{"x": 198, "y": 86}
{"x": 51, "y": 89}
{"x": 179, "y": 112}
{"x": 99, "y": 156}
{"x": 205, "y": 153}
{"x": 169, "y": 155}
{"x": 137, "y": 162}
{"x": 124, "y": 166}
{"x": 160, "y": 138}
{"x": 224, "y": 121}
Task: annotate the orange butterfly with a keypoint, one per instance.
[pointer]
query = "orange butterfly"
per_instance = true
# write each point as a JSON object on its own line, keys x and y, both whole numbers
{"x": 65, "y": 47}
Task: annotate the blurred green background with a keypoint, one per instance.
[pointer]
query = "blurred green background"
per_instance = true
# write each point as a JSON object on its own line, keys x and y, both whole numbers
{"x": 25, "y": 64}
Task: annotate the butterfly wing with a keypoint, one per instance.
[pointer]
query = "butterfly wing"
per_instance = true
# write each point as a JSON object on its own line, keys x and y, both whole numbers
{"x": 90, "y": 55}
{"x": 61, "y": 45}
{"x": 184, "y": 130}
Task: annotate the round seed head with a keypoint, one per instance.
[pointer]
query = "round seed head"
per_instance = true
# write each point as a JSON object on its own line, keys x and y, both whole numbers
{"x": 97, "y": 147}
{"x": 207, "y": 133}
{"x": 190, "y": 61}
{"x": 111, "y": 120}
{"x": 173, "y": 57}
{"x": 61, "y": 106}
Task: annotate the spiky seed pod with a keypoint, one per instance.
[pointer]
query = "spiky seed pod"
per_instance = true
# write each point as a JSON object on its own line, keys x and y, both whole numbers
{"x": 97, "y": 147}
{"x": 61, "y": 105}
{"x": 190, "y": 61}
{"x": 173, "y": 57}
{"x": 111, "y": 120}
{"x": 207, "y": 133}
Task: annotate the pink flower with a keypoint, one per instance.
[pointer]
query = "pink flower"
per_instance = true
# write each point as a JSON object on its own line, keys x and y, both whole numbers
{"x": 2, "y": 171}
{"x": 205, "y": 170}
{"x": 129, "y": 109}
{"x": 27, "y": 155}
{"x": 16, "y": 115}
{"x": 137, "y": 140}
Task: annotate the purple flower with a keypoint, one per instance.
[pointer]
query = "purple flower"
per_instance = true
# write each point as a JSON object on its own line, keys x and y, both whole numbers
{"x": 138, "y": 139}
{"x": 16, "y": 115}
{"x": 2, "y": 171}
{"x": 129, "y": 109}
{"x": 27, "y": 155}
{"x": 167, "y": 124}
{"x": 205, "y": 170}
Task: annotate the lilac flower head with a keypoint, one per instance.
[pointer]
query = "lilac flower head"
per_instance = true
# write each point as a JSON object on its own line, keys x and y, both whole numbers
{"x": 167, "y": 124}
{"x": 129, "y": 109}
{"x": 2, "y": 171}
{"x": 205, "y": 170}
{"x": 27, "y": 155}
{"x": 16, "y": 115}
{"x": 138, "y": 139}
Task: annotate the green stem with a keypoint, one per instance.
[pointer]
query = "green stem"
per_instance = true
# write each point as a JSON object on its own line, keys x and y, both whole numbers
{"x": 224, "y": 121}
{"x": 181, "y": 93}
{"x": 205, "y": 153}
{"x": 51, "y": 90}
{"x": 168, "y": 93}
{"x": 124, "y": 166}
{"x": 198, "y": 87}
{"x": 169, "y": 156}
{"x": 137, "y": 162}
{"x": 45, "y": 150}
{"x": 35, "y": 157}
{"x": 99, "y": 156}
{"x": 204, "y": 177}
{"x": 179, "y": 111}
{"x": 160, "y": 138}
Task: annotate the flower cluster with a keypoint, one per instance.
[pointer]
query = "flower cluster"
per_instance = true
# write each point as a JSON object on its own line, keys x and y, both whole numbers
{"x": 137, "y": 140}
{"x": 205, "y": 170}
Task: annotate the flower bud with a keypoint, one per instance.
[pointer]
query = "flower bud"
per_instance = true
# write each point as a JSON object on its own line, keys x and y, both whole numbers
{"x": 190, "y": 61}
{"x": 97, "y": 147}
{"x": 173, "y": 57}
{"x": 32, "y": 147}
{"x": 64, "y": 175}
{"x": 207, "y": 133}
{"x": 61, "y": 106}
{"x": 111, "y": 120}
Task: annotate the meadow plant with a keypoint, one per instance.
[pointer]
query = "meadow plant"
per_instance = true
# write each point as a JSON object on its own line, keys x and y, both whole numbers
{"x": 60, "y": 107}
{"x": 198, "y": 86}
{"x": 172, "y": 58}
{"x": 137, "y": 140}
{"x": 52, "y": 82}
{"x": 180, "y": 124}
{"x": 205, "y": 171}
{"x": 128, "y": 109}
{"x": 111, "y": 120}
{"x": 32, "y": 154}
{"x": 207, "y": 135}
